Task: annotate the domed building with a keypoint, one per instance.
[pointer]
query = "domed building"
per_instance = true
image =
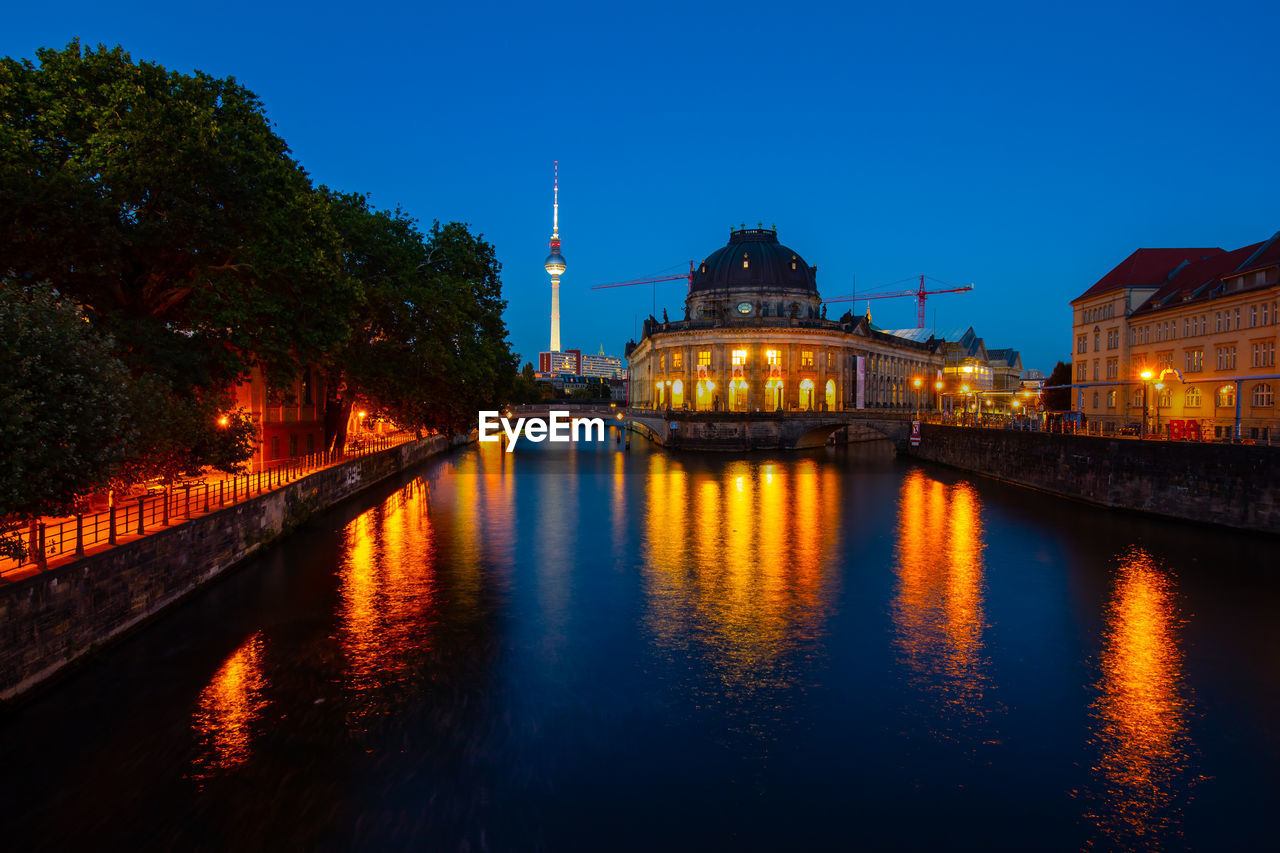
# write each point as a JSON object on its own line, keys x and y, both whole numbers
{"x": 755, "y": 338}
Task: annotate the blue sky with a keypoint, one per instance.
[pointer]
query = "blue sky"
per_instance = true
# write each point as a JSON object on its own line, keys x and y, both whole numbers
{"x": 1024, "y": 147}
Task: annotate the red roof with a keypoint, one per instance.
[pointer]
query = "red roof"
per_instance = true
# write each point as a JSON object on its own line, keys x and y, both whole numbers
{"x": 1145, "y": 268}
{"x": 1197, "y": 280}
{"x": 1266, "y": 256}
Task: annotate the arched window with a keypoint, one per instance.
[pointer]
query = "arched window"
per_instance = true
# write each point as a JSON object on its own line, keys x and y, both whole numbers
{"x": 831, "y": 395}
{"x": 677, "y": 394}
{"x": 806, "y": 394}
{"x": 1163, "y": 399}
{"x": 1227, "y": 396}
{"x": 1262, "y": 396}
{"x": 1192, "y": 399}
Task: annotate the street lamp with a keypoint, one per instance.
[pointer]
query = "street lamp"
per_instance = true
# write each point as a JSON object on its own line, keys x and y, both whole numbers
{"x": 1159, "y": 388}
{"x": 964, "y": 396}
{"x": 1146, "y": 404}
{"x": 917, "y": 382}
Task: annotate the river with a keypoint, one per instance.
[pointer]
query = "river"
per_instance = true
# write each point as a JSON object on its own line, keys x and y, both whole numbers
{"x": 572, "y": 647}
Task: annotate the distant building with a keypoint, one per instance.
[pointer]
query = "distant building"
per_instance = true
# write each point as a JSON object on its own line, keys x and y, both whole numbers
{"x": 1200, "y": 323}
{"x": 290, "y": 420}
{"x": 565, "y": 361}
{"x": 973, "y": 376}
{"x": 602, "y": 366}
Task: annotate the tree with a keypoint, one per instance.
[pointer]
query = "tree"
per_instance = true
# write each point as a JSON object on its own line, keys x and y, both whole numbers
{"x": 166, "y": 206}
{"x": 66, "y": 423}
{"x": 1058, "y": 399}
{"x": 428, "y": 348}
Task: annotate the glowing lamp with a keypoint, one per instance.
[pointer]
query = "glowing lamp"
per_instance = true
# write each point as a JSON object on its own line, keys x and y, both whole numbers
{"x": 1146, "y": 374}
{"x": 222, "y": 421}
{"x": 915, "y": 382}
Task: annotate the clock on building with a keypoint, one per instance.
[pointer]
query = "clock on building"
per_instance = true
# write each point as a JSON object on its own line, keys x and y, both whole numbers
{"x": 744, "y": 307}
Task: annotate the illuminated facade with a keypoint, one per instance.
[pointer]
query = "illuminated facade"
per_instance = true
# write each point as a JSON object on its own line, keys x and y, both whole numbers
{"x": 755, "y": 339}
{"x": 1183, "y": 340}
{"x": 290, "y": 421}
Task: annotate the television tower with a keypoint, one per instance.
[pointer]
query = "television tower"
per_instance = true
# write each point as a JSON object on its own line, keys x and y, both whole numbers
{"x": 555, "y": 262}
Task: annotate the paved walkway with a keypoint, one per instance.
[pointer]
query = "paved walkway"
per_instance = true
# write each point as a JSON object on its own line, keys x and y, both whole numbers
{"x": 69, "y": 538}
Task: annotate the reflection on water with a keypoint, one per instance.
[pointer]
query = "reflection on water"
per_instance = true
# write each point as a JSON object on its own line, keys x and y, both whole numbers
{"x": 735, "y": 570}
{"x": 1139, "y": 719}
{"x": 387, "y": 611}
{"x": 228, "y": 710}
{"x": 937, "y": 610}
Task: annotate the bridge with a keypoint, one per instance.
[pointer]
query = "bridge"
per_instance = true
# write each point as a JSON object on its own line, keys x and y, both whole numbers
{"x": 731, "y": 431}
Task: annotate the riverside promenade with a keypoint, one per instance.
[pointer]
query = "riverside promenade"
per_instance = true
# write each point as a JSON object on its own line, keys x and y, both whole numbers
{"x": 53, "y": 542}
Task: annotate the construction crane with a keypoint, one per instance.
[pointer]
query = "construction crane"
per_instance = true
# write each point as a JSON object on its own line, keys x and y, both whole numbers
{"x": 919, "y": 293}
{"x": 653, "y": 280}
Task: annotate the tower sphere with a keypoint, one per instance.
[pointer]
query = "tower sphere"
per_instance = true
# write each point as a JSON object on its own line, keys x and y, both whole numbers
{"x": 555, "y": 263}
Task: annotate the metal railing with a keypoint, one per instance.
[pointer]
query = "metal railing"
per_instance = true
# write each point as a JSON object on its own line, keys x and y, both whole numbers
{"x": 138, "y": 515}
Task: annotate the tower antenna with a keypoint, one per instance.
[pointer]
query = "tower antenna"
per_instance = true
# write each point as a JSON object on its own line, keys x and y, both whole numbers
{"x": 555, "y": 261}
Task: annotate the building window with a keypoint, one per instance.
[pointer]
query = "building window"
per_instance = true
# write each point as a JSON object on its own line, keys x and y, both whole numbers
{"x": 831, "y": 360}
{"x": 806, "y": 358}
{"x": 1163, "y": 399}
{"x": 1253, "y": 316}
{"x": 311, "y": 442}
{"x": 745, "y": 265}
{"x": 1191, "y": 399}
{"x": 677, "y": 360}
{"x": 1265, "y": 321}
{"x": 1137, "y": 398}
{"x": 1237, "y": 318}
{"x": 1111, "y": 399}
{"x": 1226, "y": 358}
{"x": 1186, "y": 328}
{"x": 739, "y": 357}
{"x": 275, "y": 447}
{"x": 772, "y": 357}
{"x": 1195, "y": 360}
{"x": 293, "y": 445}
{"x": 1095, "y": 399}
{"x": 1264, "y": 354}
{"x": 1080, "y": 372}
{"x": 662, "y": 363}
{"x": 1217, "y": 321}
{"x": 1227, "y": 396}
{"x": 307, "y": 398}
{"x": 1262, "y": 397}
{"x": 1113, "y": 368}
{"x": 1095, "y": 370}
{"x": 704, "y": 357}
{"x": 1097, "y": 339}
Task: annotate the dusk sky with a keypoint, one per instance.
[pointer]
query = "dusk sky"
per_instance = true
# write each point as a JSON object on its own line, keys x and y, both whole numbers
{"x": 1024, "y": 147}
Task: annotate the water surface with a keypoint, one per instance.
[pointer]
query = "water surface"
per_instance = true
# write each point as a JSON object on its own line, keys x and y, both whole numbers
{"x": 573, "y": 647}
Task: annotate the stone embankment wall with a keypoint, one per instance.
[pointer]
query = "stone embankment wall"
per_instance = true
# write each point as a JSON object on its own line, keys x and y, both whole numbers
{"x": 50, "y": 619}
{"x": 1230, "y": 485}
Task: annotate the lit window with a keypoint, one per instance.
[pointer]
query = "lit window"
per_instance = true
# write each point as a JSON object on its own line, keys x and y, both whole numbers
{"x": 1192, "y": 399}
{"x": 806, "y": 358}
{"x": 739, "y": 357}
{"x": 677, "y": 360}
{"x": 704, "y": 357}
{"x": 771, "y": 357}
{"x": 744, "y": 262}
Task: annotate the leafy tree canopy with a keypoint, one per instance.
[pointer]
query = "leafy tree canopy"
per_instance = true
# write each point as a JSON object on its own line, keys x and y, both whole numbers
{"x": 165, "y": 204}
{"x": 1058, "y": 399}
